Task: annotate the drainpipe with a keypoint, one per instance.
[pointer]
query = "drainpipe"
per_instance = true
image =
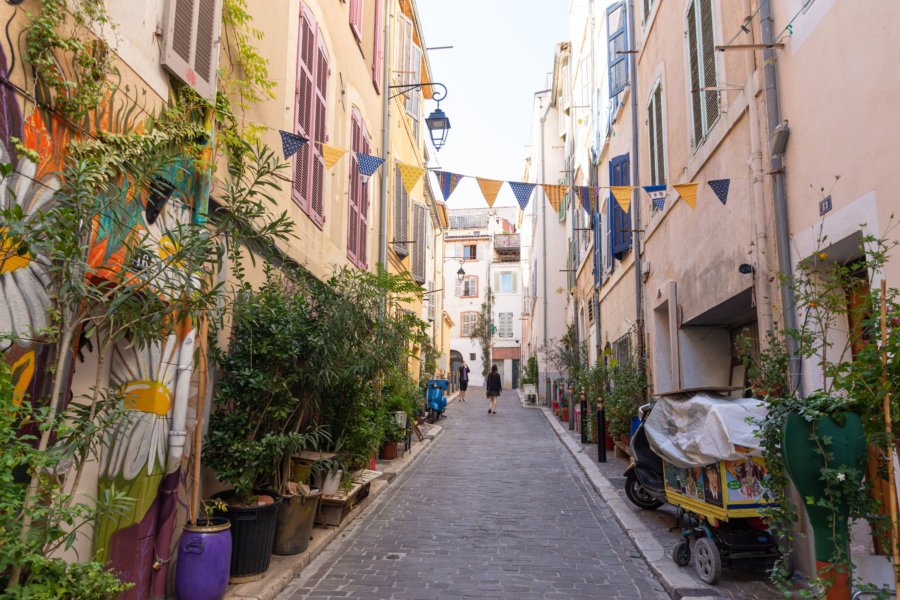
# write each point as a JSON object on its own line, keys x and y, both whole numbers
{"x": 636, "y": 182}
{"x": 386, "y": 141}
{"x": 544, "y": 230}
{"x": 782, "y": 234}
{"x": 757, "y": 197}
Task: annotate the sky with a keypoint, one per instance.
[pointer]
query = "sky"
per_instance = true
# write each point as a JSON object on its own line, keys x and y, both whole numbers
{"x": 502, "y": 54}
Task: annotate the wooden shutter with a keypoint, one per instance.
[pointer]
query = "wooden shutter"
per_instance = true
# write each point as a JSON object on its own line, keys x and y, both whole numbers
{"x": 617, "y": 42}
{"x": 597, "y": 251}
{"x": 363, "y": 229}
{"x": 356, "y": 18}
{"x": 459, "y": 288}
{"x": 401, "y": 215}
{"x": 303, "y": 109}
{"x": 378, "y": 54}
{"x": 619, "y": 221}
{"x": 191, "y": 43}
{"x": 414, "y": 96}
{"x": 708, "y": 53}
{"x": 418, "y": 260}
{"x": 317, "y": 189}
{"x": 353, "y": 203}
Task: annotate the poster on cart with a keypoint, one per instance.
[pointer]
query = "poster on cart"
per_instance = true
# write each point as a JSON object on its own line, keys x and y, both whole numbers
{"x": 744, "y": 480}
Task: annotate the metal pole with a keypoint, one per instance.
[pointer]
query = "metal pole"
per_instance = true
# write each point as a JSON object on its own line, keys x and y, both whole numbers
{"x": 544, "y": 229}
{"x": 583, "y": 421}
{"x": 386, "y": 141}
{"x": 601, "y": 433}
{"x": 636, "y": 182}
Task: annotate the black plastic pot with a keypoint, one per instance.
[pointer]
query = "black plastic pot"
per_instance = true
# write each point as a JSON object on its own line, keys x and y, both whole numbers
{"x": 252, "y": 534}
{"x": 295, "y": 523}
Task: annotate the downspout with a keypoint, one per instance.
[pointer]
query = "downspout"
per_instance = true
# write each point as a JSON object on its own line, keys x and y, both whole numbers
{"x": 544, "y": 232}
{"x": 386, "y": 141}
{"x": 636, "y": 182}
{"x": 782, "y": 234}
{"x": 757, "y": 195}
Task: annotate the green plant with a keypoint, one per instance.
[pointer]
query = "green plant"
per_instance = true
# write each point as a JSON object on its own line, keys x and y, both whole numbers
{"x": 531, "y": 371}
{"x": 565, "y": 356}
{"x": 627, "y": 390}
{"x": 484, "y": 332}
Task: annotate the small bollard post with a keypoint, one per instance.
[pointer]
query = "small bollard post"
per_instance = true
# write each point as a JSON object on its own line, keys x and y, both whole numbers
{"x": 601, "y": 433}
{"x": 583, "y": 419}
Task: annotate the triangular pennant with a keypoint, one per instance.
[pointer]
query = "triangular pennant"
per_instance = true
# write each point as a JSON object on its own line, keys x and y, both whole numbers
{"x": 555, "y": 194}
{"x": 595, "y": 197}
{"x": 657, "y": 195}
{"x": 368, "y": 164}
{"x": 522, "y": 192}
{"x": 688, "y": 191}
{"x": 720, "y": 187}
{"x": 331, "y": 154}
{"x": 447, "y": 182}
{"x": 410, "y": 174}
{"x": 291, "y": 143}
{"x": 489, "y": 189}
{"x": 584, "y": 194}
{"x": 622, "y": 194}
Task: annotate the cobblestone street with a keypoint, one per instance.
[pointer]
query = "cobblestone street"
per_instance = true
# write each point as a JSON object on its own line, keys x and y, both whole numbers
{"x": 496, "y": 509}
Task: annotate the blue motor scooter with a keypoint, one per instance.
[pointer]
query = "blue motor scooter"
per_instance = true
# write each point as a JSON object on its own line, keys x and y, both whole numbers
{"x": 435, "y": 398}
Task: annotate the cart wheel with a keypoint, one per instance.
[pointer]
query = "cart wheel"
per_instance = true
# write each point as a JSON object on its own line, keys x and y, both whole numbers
{"x": 707, "y": 560}
{"x": 639, "y": 496}
{"x": 681, "y": 553}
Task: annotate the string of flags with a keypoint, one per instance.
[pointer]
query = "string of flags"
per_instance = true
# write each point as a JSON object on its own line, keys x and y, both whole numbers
{"x": 589, "y": 196}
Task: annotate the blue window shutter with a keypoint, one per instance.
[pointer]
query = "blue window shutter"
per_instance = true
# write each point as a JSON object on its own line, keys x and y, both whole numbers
{"x": 620, "y": 221}
{"x": 616, "y": 41}
{"x": 598, "y": 250}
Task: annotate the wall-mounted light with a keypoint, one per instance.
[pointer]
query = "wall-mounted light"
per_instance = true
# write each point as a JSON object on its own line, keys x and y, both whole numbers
{"x": 746, "y": 269}
{"x": 460, "y": 275}
{"x": 437, "y": 122}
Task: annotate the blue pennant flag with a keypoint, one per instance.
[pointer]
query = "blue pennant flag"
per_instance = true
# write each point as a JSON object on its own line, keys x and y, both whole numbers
{"x": 291, "y": 143}
{"x": 368, "y": 165}
{"x": 657, "y": 195}
{"x": 720, "y": 187}
{"x": 522, "y": 192}
{"x": 448, "y": 182}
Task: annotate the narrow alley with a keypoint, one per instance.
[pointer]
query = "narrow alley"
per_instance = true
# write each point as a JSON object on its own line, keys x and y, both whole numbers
{"x": 496, "y": 509}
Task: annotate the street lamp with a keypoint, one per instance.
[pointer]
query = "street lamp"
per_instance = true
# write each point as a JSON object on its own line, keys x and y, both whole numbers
{"x": 437, "y": 122}
{"x": 461, "y": 274}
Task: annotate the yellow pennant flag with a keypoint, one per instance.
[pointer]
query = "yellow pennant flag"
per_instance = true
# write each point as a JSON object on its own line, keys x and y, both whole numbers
{"x": 622, "y": 194}
{"x": 555, "y": 194}
{"x": 410, "y": 174}
{"x": 489, "y": 189}
{"x": 331, "y": 154}
{"x": 688, "y": 191}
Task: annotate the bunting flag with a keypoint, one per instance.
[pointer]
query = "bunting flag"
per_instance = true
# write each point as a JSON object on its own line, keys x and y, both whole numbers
{"x": 522, "y": 192}
{"x": 489, "y": 189}
{"x": 331, "y": 154}
{"x": 688, "y": 191}
{"x": 720, "y": 187}
{"x": 447, "y": 182}
{"x": 410, "y": 174}
{"x": 555, "y": 194}
{"x": 622, "y": 194}
{"x": 368, "y": 165}
{"x": 657, "y": 195}
{"x": 584, "y": 194}
{"x": 291, "y": 143}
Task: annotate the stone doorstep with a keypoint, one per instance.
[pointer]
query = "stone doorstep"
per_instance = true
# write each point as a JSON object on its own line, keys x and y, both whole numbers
{"x": 677, "y": 583}
{"x": 284, "y": 569}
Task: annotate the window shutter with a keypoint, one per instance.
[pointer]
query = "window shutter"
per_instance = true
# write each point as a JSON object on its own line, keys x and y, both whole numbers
{"x": 515, "y": 282}
{"x": 418, "y": 270}
{"x": 317, "y": 192}
{"x": 414, "y": 96}
{"x": 459, "y": 289}
{"x": 378, "y": 54}
{"x": 363, "y": 229}
{"x": 309, "y": 119}
{"x": 498, "y": 283}
{"x": 356, "y": 18}
{"x": 620, "y": 221}
{"x": 191, "y": 44}
{"x": 353, "y": 203}
{"x": 707, "y": 43}
{"x": 617, "y": 41}
{"x": 401, "y": 215}
{"x": 598, "y": 246}
{"x": 473, "y": 286}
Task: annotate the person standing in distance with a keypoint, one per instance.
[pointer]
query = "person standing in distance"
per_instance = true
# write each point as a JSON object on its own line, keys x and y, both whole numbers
{"x": 494, "y": 386}
{"x": 463, "y": 381}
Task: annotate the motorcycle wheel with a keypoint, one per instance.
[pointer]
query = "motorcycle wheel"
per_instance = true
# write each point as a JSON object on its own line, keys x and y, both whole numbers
{"x": 639, "y": 496}
{"x": 681, "y": 553}
{"x": 432, "y": 415}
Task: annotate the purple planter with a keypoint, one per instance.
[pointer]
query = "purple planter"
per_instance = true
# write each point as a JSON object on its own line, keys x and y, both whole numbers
{"x": 204, "y": 559}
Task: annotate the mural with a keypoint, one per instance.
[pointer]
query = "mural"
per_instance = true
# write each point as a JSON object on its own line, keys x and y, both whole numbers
{"x": 142, "y": 456}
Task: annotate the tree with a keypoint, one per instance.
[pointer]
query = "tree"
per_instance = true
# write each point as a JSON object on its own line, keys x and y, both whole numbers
{"x": 484, "y": 331}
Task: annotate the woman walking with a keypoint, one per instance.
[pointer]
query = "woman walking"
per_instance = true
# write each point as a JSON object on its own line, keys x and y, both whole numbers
{"x": 494, "y": 386}
{"x": 463, "y": 381}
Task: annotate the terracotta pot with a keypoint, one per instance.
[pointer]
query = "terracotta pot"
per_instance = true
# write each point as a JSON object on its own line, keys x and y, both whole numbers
{"x": 389, "y": 451}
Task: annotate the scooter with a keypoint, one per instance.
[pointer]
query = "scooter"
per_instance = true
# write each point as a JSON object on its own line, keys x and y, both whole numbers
{"x": 435, "y": 398}
{"x": 644, "y": 482}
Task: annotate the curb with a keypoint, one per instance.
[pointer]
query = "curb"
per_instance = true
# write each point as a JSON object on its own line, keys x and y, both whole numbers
{"x": 673, "y": 578}
{"x": 285, "y": 569}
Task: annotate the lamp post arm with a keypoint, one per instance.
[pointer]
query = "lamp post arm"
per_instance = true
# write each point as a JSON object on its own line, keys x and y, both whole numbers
{"x": 437, "y": 95}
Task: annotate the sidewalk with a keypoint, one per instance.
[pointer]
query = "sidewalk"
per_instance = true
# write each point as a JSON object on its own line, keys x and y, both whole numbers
{"x": 655, "y": 532}
{"x": 283, "y": 569}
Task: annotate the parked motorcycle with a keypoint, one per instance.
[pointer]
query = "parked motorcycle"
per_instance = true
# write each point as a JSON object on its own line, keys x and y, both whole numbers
{"x": 435, "y": 398}
{"x": 644, "y": 481}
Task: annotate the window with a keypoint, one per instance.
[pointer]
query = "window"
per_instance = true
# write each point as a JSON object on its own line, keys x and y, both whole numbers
{"x": 419, "y": 234}
{"x": 378, "y": 54}
{"x": 358, "y": 217}
{"x": 467, "y": 324}
{"x": 471, "y": 356}
{"x": 648, "y": 7}
{"x": 619, "y": 225}
{"x": 506, "y": 282}
{"x": 590, "y": 310}
{"x": 409, "y": 68}
{"x": 617, "y": 44}
{"x": 356, "y": 18}
{"x": 401, "y": 215}
{"x": 621, "y": 349}
{"x": 191, "y": 50}
{"x": 505, "y": 330}
{"x": 702, "y": 57}
{"x": 307, "y": 188}
{"x": 656, "y": 143}
{"x": 469, "y": 286}
{"x": 470, "y": 252}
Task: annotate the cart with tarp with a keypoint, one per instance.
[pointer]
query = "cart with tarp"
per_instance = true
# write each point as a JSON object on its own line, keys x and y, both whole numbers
{"x": 714, "y": 471}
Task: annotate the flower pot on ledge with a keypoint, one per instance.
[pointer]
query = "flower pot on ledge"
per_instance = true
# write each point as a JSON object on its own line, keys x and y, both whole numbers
{"x": 389, "y": 451}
